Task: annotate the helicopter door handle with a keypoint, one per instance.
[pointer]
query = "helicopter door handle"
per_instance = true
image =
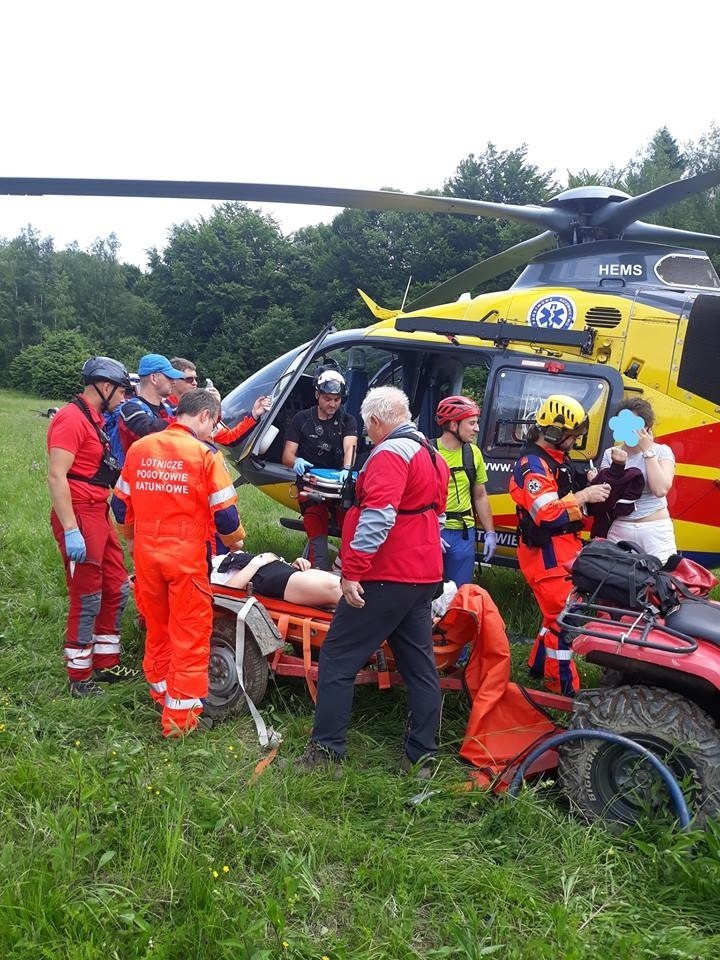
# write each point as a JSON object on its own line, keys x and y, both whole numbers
{"x": 612, "y": 282}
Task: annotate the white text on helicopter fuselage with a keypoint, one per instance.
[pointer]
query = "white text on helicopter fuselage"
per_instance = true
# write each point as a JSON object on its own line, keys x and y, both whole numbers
{"x": 620, "y": 270}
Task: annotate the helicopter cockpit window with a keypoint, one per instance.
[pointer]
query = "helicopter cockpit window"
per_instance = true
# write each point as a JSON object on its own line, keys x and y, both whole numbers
{"x": 687, "y": 270}
{"x": 263, "y": 383}
{"x": 518, "y": 394}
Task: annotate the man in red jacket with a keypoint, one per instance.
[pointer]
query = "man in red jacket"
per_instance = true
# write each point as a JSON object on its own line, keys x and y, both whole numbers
{"x": 392, "y": 565}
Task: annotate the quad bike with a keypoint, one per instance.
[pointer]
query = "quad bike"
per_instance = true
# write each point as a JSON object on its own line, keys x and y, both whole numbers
{"x": 666, "y": 671}
{"x": 662, "y": 690}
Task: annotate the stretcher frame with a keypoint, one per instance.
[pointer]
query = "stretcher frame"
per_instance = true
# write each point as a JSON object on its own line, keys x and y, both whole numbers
{"x": 302, "y": 629}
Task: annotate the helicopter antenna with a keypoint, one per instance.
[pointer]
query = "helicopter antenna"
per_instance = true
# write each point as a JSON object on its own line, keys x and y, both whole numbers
{"x": 407, "y": 290}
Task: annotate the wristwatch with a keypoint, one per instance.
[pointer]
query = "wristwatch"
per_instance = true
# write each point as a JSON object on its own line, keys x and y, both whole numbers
{"x": 649, "y": 454}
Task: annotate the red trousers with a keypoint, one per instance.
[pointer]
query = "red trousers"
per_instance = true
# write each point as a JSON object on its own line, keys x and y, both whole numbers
{"x": 98, "y": 592}
{"x": 316, "y": 520}
{"x": 551, "y": 655}
{"x": 171, "y": 579}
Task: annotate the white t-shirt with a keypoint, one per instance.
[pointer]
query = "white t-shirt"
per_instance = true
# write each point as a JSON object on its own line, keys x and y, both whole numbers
{"x": 647, "y": 503}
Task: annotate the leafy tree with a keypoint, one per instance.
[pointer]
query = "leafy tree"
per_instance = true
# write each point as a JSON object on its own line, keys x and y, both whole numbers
{"x": 220, "y": 280}
{"x": 51, "y": 369}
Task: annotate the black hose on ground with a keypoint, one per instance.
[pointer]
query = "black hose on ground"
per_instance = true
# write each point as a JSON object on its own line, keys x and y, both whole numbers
{"x": 673, "y": 787}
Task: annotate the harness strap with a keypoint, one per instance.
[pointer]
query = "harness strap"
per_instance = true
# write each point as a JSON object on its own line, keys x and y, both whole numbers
{"x": 307, "y": 659}
{"x": 99, "y": 478}
{"x": 267, "y": 737}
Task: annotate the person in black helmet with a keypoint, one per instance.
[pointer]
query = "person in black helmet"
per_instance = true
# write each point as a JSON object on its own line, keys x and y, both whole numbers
{"x": 322, "y": 436}
{"x": 82, "y": 471}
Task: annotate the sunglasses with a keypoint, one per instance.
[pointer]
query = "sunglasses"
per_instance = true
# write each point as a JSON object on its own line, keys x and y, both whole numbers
{"x": 191, "y": 379}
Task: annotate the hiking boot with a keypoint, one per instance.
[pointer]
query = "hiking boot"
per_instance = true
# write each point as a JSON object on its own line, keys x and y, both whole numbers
{"x": 115, "y": 674}
{"x": 422, "y": 769}
{"x": 85, "y": 688}
{"x": 316, "y": 757}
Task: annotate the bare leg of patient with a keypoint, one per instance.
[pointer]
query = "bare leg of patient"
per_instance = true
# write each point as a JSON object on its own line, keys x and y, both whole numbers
{"x": 314, "y": 588}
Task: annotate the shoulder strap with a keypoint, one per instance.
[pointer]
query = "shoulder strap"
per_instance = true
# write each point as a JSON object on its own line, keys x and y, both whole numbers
{"x": 143, "y": 404}
{"x": 468, "y": 462}
{"x": 82, "y": 407}
{"x": 146, "y": 406}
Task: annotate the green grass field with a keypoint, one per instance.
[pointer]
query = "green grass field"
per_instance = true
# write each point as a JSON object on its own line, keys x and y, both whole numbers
{"x": 117, "y": 845}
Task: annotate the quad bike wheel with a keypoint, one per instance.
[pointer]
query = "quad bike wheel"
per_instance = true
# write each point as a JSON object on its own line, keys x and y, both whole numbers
{"x": 225, "y": 696}
{"x": 606, "y": 781}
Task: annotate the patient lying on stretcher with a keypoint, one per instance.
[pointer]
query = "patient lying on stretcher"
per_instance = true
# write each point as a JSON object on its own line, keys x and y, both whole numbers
{"x": 271, "y": 576}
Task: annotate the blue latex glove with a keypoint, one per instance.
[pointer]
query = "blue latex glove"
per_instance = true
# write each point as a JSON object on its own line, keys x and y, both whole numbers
{"x": 75, "y": 545}
{"x": 300, "y": 466}
{"x": 490, "y": 547}
{"x": 342, "y": 476}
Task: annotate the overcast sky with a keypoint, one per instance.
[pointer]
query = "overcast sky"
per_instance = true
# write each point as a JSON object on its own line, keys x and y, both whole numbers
{"x": 341, "y": 93}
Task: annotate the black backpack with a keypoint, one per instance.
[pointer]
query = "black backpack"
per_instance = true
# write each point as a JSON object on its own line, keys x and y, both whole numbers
{"x": 623, "y": 575}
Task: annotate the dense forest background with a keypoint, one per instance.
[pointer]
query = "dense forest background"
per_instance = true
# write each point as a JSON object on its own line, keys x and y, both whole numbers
{"x": 232, "y": 292}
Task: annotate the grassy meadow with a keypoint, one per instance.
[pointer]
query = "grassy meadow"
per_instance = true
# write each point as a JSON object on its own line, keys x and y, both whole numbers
{"x": 117, "y": 845}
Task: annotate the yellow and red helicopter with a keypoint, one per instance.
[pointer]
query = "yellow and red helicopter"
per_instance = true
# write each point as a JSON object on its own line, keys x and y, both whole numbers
{"x": 606, "y": 306}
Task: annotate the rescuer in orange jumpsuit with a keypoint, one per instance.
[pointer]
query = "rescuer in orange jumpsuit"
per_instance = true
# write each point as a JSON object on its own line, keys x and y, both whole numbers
{"x": 549, "y": 505}
{"x": 174, "y": 489}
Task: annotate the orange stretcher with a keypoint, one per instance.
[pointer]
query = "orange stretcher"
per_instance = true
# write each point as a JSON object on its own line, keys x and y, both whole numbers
{"x": 256, "y": 637}
{"x": 300, "y": 632}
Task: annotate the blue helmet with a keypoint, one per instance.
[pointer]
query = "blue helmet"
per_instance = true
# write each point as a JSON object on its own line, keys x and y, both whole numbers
{"x": 105, "y": 368}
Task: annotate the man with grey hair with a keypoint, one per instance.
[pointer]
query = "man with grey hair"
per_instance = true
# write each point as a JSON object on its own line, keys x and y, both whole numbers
{"x": 392, "y": 566}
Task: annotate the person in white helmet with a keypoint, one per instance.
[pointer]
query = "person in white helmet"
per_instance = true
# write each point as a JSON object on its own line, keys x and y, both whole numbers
{"x": 324, "y": 435}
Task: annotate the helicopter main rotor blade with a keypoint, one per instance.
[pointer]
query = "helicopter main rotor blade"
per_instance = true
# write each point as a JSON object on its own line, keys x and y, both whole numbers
{"x": 479, "y": 273}
{"x": 616, "y": 216}
{"x": 547, "y": 217}
{"x": 655, "y": 234}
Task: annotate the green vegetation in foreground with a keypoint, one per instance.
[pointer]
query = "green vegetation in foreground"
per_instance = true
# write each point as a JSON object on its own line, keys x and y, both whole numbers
{"x": 119, "y": 845}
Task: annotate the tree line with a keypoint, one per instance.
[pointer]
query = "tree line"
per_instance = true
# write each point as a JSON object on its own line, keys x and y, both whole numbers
{"x": 232, "y": 292}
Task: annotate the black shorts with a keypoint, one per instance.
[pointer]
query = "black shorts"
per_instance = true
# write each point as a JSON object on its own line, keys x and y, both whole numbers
{"x": 272, "y": 579}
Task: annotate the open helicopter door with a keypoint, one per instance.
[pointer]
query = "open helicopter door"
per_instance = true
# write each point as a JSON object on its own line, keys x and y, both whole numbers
{"x": 278, "y": 383}
{"x": 517, "y": 384}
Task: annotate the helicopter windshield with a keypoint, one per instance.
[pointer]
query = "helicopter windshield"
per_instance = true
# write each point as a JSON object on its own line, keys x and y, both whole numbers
{"x": 687, "y": 270}
{"x": 260, "y": 384}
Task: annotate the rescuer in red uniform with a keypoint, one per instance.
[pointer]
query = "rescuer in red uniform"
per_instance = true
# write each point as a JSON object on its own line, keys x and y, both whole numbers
{"x": 82, "y": 471}
{"x": 549, "y": 502}
{"x": 173, "y": 494}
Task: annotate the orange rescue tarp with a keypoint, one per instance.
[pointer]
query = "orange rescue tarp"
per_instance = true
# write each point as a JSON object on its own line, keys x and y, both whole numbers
{"x": 503, "y": 725}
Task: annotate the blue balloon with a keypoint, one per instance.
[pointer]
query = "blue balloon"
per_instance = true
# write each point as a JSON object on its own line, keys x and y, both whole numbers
{"x": 625, "y": 427}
